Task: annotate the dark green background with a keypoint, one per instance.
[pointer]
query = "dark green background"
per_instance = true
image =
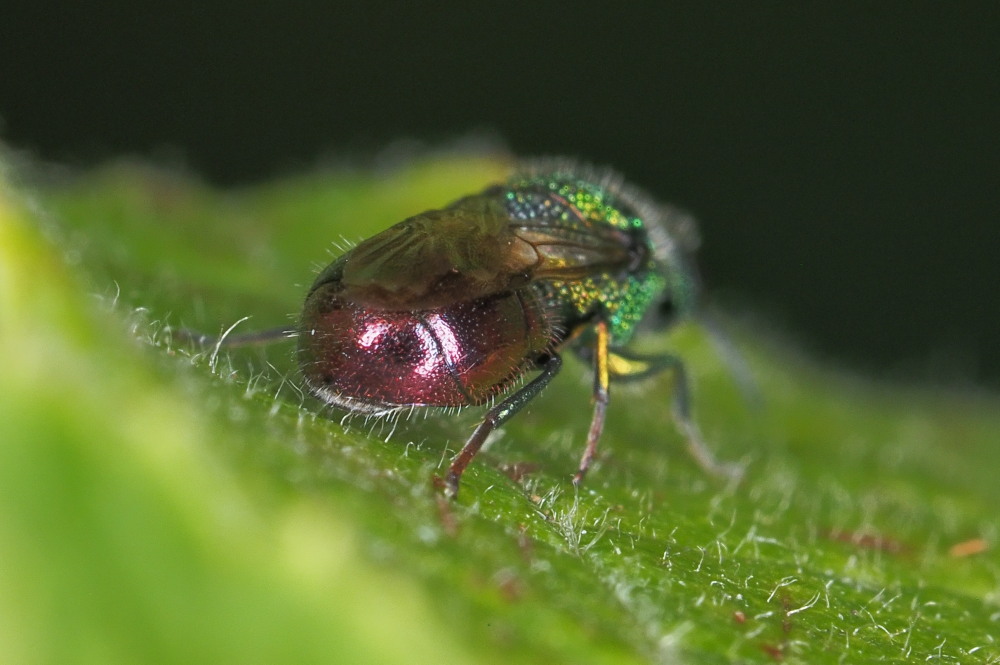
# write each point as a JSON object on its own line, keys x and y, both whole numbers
{"x": 843, "y": 159}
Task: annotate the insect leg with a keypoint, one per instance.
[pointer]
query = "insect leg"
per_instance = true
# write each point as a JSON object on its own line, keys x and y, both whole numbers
{"x": 495, "y": 417}
{"x": 186, "y": 335}
{"x": 630, "y": 367}
{"x": 600, "y": 400}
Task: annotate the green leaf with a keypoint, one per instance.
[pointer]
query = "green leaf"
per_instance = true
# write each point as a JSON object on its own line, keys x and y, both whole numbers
{"x": 163, "y": 503}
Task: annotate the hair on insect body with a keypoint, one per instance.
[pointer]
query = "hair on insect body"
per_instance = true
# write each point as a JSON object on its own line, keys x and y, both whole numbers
{"x": 473, "y": 304}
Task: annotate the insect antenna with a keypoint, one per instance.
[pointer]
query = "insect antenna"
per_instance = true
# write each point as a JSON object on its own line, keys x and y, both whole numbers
{"x": 735, "y": 361}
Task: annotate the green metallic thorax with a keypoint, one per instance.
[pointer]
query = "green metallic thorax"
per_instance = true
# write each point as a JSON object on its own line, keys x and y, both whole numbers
{"x": 593, "y": 230}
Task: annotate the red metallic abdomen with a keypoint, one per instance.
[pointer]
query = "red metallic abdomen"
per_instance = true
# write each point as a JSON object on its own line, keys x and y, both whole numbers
{"x": 368, "y": 359}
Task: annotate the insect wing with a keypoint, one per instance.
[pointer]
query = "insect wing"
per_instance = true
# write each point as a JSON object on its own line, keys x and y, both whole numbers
{"x": 572, "y": 253}
{"x": 462, "y": 252}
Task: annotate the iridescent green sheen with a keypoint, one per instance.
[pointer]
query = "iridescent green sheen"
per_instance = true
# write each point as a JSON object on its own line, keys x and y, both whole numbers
{"x": 570, "y": 202}
{"x": 570, "y": 199}
{"x": 624, "y": 301}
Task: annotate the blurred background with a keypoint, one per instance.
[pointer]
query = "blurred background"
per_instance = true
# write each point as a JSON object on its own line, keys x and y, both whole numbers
{"x": 843, "y": 158}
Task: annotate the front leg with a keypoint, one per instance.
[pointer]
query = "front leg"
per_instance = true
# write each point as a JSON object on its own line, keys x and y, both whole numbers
{"x": 625, "y": 366}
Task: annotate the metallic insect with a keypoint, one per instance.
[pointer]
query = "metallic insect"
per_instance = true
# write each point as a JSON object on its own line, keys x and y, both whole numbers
{"x": 455, "y": 307}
